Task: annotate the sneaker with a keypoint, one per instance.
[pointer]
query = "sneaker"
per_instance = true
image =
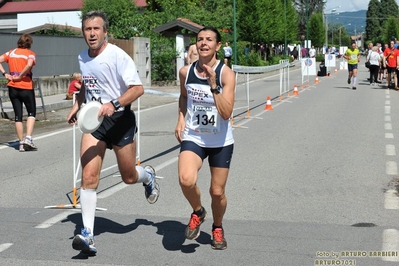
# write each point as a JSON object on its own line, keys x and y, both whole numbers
{"x": 373, "y": 84}
{"x": 349, "y": 80}
{"x": 28, "y": 144}
{"x": 151, "y": 189}
{"x": 353, "y": 88}
{"x": 21, "y": 147}
{"x": 84, "y": 242}
{"x": 218, "y": 240}
{"x": 193, "y": 228}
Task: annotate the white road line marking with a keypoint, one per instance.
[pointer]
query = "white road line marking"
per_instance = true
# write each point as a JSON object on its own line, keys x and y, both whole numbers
{"x": 387, "y": 102}
{"x": 390, "y": 150}
{"x": 5, "y": 246}
{"x": 391, "y": 168}
{"x": 387, "y": 110}
{"x": 55, "y": 219}
{"x": 387, "y": 118}
{"x": 388, "y": 135}
{"x": 388, "y": 96}
{"x": 391, "y": 199}
{"x": 390, "y": 241}
{"x": 388, "y": 126}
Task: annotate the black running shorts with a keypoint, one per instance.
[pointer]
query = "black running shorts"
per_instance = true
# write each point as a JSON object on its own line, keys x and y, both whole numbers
{"x": 217, "y": 157}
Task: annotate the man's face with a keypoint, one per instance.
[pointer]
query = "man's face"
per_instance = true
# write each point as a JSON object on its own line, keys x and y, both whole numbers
{"x": 94, "y": 33}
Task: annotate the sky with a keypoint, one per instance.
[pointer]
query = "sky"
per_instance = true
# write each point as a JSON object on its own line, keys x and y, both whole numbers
{"x": 348, "y": 5}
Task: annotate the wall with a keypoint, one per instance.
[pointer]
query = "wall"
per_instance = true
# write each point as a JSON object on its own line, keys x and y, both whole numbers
{"x": 58, "y": 55}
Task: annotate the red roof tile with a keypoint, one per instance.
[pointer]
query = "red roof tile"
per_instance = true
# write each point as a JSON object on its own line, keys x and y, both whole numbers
{"x": 41, "y": 6}
{"x": 49, "y": 5}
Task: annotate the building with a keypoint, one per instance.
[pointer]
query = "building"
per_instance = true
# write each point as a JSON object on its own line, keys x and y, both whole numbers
{"x": 22, "y": 16}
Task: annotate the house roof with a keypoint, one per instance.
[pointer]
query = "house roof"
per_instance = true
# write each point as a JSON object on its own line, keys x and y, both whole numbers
{"x": 48, "y": 26}
{"x": 48, "y": 5}
{"x": 175, "y": 27}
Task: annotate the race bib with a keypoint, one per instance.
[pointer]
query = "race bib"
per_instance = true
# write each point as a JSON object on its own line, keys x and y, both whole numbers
{"x": 353, "y": 56}
{"x": 205, "y": 120}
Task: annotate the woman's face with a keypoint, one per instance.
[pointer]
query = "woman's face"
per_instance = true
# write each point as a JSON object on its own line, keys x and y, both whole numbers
{"x": 207, "y": 44}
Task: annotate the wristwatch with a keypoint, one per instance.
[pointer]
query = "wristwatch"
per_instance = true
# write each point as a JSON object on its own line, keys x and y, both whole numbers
{"x": 216, "y": 90}
{"x": 116, "y": 104}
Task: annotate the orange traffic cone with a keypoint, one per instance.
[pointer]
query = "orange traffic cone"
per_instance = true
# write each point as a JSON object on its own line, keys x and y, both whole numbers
{"x": 268, "y": 104}
{"x": 295, "y": 90}
{"x": 317, "y": 80}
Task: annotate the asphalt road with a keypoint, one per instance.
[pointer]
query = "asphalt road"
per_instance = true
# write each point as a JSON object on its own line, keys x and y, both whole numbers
{"x": 313, "y": 181}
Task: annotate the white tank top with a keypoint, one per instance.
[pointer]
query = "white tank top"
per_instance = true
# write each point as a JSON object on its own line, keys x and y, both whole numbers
{"x": 204, "y": 125}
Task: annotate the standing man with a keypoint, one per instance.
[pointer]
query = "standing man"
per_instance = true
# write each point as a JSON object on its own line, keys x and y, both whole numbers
{"x": 312, "y": 52}
{"x": 228, "y": 52}
{"x": 192, "y": 54}
{"x": 204, "y": 130}
{"x": 353, "y": 56}
{"x": 303, "y": 52}
{"x": 391, "y": 62}
{"x": 110, "y": 77}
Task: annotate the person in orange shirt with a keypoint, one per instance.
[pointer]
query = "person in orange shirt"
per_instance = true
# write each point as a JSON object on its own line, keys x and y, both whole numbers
{"x": 391, "y": 63}
{"x": 20, "y": 88}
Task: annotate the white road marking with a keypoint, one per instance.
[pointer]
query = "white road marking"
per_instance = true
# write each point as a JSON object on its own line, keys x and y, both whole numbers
{"x": 55, "y": 219}
{"x": 388, "y": 135}
{"x": 391, "y": 168}
{"x": 390, "y": 241}
{"x": 388, "y": 126}
{"x": 390, "y": 150}
{"x": 387, "y": 102}
{"x": 5, "y": 246}
{"x": 387, "y": 110}
{"x": 387, "y": 118}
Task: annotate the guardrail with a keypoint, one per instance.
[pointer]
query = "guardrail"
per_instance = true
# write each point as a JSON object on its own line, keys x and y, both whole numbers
{"x": 38, "y": 94}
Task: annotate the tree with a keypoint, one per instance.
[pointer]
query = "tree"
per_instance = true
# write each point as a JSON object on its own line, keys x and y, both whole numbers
{"x": 390, "y": 29}
{"x": 373, "y": 26}
{"x": 119, "y": 13}
{"x": 387, "y": 9}
{"x": 316, "y": 29}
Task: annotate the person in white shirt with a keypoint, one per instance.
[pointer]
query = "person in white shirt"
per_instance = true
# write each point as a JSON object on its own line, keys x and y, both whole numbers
{"x": 228, "y": 52}
{"x": 312, "y": 52}
{"x": 110, "y": 77}
{"x": 375, "y": 60}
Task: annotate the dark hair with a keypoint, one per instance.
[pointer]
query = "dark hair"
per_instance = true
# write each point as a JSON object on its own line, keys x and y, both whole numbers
{"x": 25, "y": 41}
{"x": 95, "y": 14}
{"x": 218, "y": 37}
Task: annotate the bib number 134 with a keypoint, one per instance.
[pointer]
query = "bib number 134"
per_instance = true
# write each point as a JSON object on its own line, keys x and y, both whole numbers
{"x": 206, "y": 120}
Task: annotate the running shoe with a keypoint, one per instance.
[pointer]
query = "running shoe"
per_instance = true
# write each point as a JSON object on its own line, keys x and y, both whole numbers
{"x": 84, "y": 242}
{"x": 349, "y": 80}
{"x": 21, "y": 147}
{"x": 218, "y": 240}
{"x": 28, "y": 144}
{"x": 353, "y": 88}
{"x": 152, "y": 189}
{"x": 193, "y": 228}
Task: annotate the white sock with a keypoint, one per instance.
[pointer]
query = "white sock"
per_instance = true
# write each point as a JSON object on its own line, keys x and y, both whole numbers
{"x": 144, "y": 177}
{"x": 354, "y": 81}
{"x": 88, "y": 202}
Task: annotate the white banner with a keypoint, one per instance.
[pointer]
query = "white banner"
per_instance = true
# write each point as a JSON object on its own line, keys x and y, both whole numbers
{"x": 330, "y": 60}
{"x": 308, "y": 66}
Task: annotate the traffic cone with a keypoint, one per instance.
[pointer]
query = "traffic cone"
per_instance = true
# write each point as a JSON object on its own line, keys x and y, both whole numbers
{"x": 317, "y": 80}
{"x": 295, "y": 90}
{"x": 268, "y": 104}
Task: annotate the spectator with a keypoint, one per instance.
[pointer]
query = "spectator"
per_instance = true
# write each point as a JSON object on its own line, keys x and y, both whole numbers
{"x": 75, "y": 85}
